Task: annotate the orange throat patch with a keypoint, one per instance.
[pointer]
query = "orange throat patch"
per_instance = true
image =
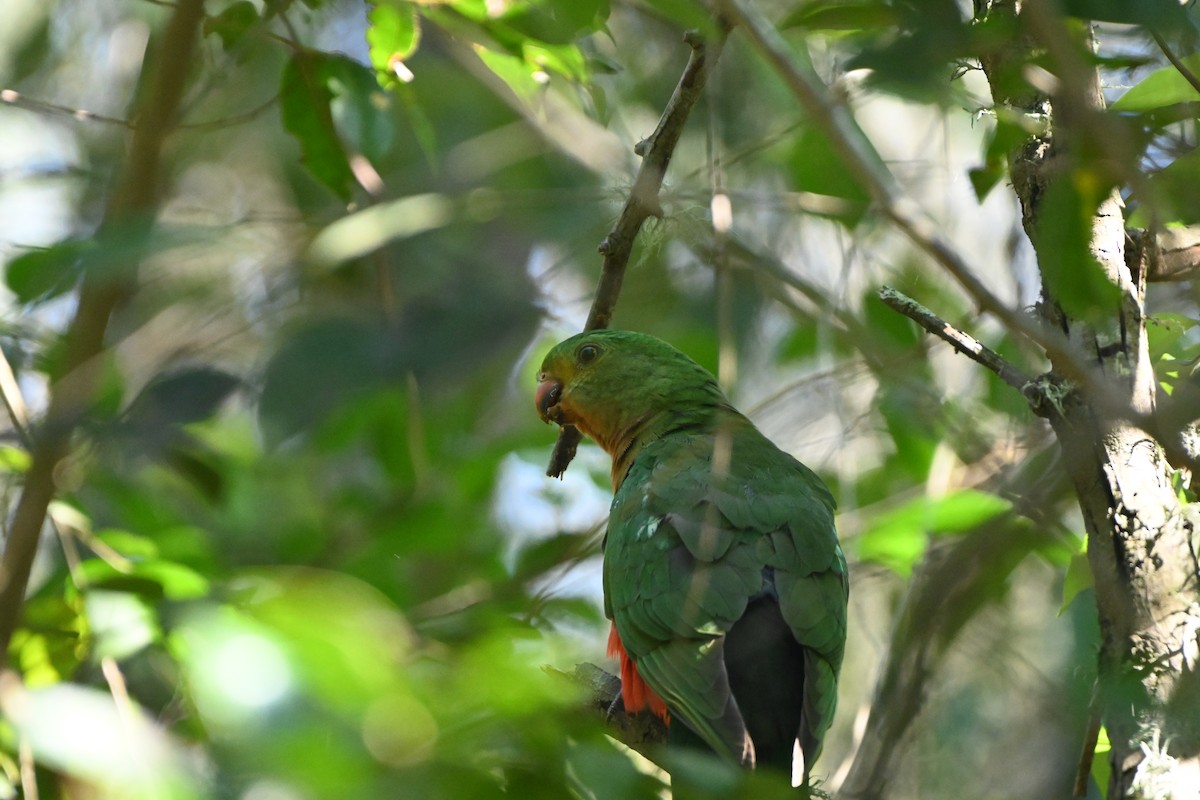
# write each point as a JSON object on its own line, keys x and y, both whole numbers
{"x": 635, "y": 692}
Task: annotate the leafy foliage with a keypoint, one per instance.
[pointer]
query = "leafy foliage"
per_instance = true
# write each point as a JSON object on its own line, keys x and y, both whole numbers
{"x": 302, "y": 547}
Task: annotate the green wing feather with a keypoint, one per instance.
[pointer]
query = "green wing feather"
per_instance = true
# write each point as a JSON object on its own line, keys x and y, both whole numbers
{"x": 686, "y": 550}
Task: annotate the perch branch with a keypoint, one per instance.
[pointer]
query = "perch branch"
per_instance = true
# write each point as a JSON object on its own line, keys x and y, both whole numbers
{"x": 643, "y": 202}
{"x": 642, "y": 732}
{"x": 1172, "y": 254}
{"x": 135, "y": 195}
{"x": 961, "y": 341}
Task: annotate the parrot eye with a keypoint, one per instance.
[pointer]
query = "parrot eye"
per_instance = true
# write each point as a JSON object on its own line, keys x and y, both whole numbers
{"x": 588, "y": 353}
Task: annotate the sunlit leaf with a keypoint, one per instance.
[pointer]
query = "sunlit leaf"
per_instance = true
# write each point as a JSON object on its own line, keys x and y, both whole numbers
{"x": 897, "y": 538}
{"x": 1163, "y": 87}
{"x": 393, "y": 35}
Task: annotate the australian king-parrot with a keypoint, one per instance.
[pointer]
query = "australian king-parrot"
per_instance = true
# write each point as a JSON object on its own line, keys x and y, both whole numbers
{"x": 722, "y": 572}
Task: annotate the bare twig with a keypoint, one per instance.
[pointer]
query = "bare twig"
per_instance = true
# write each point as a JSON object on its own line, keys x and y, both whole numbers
{"x": 135, "y": 196}
{"x": 656, "y": 151}
{"x": 961, "y": 341}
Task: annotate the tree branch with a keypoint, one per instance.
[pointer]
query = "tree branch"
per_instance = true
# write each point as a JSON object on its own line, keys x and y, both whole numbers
{"x": 961, "y": 341}
{"x": 656, "y": 151}
{"x": 642, "y": 732}
{"x": 136, "y": 195}
{"x": 867, "y": 168}
{"x": 1172, "y": 254}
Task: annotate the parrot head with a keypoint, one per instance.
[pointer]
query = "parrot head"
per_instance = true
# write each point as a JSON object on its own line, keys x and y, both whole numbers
{"x": 614, "y": 385}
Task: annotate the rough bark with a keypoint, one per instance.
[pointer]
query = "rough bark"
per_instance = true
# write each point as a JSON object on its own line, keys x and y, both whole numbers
{"x": 1142, "y": 540}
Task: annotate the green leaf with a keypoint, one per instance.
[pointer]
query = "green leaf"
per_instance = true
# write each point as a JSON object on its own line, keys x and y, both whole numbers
{"x": 232, "y": 24}
{"x": 1162, "y": 14}
{"x": 1101, "y": 768}
{"x": 1163, "y": 87}
{"x": 1064, "y": 233}
{"x": 45, "y": 273}
{"x": 1077, "y": 579}
{"x": 516, "y": 72}
{"x": 841, "y": 15}
{"x": 114, "y": 253}
{"x": 330, "y": 103}
{"x": 897, "y": 538}
{"x": 1176, "y": 190}
{"x": 149, "y": 578}
{"x": 1002, "y": 139}
{"x": 393, "y": 35}
{"x": 14, "y": 459}
{"x": 555, "y": 21}
{"x": 816, "y": 167}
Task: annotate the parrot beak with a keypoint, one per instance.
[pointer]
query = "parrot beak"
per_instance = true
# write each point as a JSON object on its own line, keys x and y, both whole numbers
{"x": 549, "y": 392}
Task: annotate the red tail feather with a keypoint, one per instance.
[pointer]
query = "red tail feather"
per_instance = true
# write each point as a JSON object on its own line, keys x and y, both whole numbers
{"x": 636, "y": 694}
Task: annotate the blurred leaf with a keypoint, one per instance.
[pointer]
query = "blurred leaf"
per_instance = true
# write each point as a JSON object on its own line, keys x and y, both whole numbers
{"x": 816, "y": 167}
{"x": 120, "y": 623}
{"x": 40, "y": 275}
{"x": 1164, "y": 14}
{"x": 233, "y": 23}
{"x": 1003, "y": 138}
{"x": 517, "y": 73}
{"x": 1163, "y": 87}
{"x": 393, "y": 35}
{"x": 897, "y": 538}
{"x": 1177, "y": 190}
{"x": 1064, "y": 230}
{"x": 75, "y": 729}
{"x": 920, "y": 51}
{"x": 150, "y": 578}
{"x": 1078, "y": 578}
{"x": 541, "y": 556}
{"x": 555, "y": 21}
{"x": 13, "y": 459}
{"x": 330, "y": 103}
{"x": 841, "y": 15}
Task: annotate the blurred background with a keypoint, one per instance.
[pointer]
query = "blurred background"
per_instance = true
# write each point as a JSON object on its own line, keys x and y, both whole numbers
{"x": 304, "y": 546}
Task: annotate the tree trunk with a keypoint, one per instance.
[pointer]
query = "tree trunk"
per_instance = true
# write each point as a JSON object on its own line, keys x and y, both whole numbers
{"x": 1142, "y": 539}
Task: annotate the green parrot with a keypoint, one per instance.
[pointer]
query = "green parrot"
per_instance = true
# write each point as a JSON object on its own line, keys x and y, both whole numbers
{"x": 722, "y": 573}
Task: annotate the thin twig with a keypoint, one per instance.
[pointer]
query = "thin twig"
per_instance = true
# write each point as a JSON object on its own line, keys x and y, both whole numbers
{"x": 135, "y": 195}
{"x": 17, "y": 100}
{"x": 14, "y": 401}
{"x": 656, "y": 151}
{"x": 1176, "y": 61}
{"x": 960, "y": 340}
